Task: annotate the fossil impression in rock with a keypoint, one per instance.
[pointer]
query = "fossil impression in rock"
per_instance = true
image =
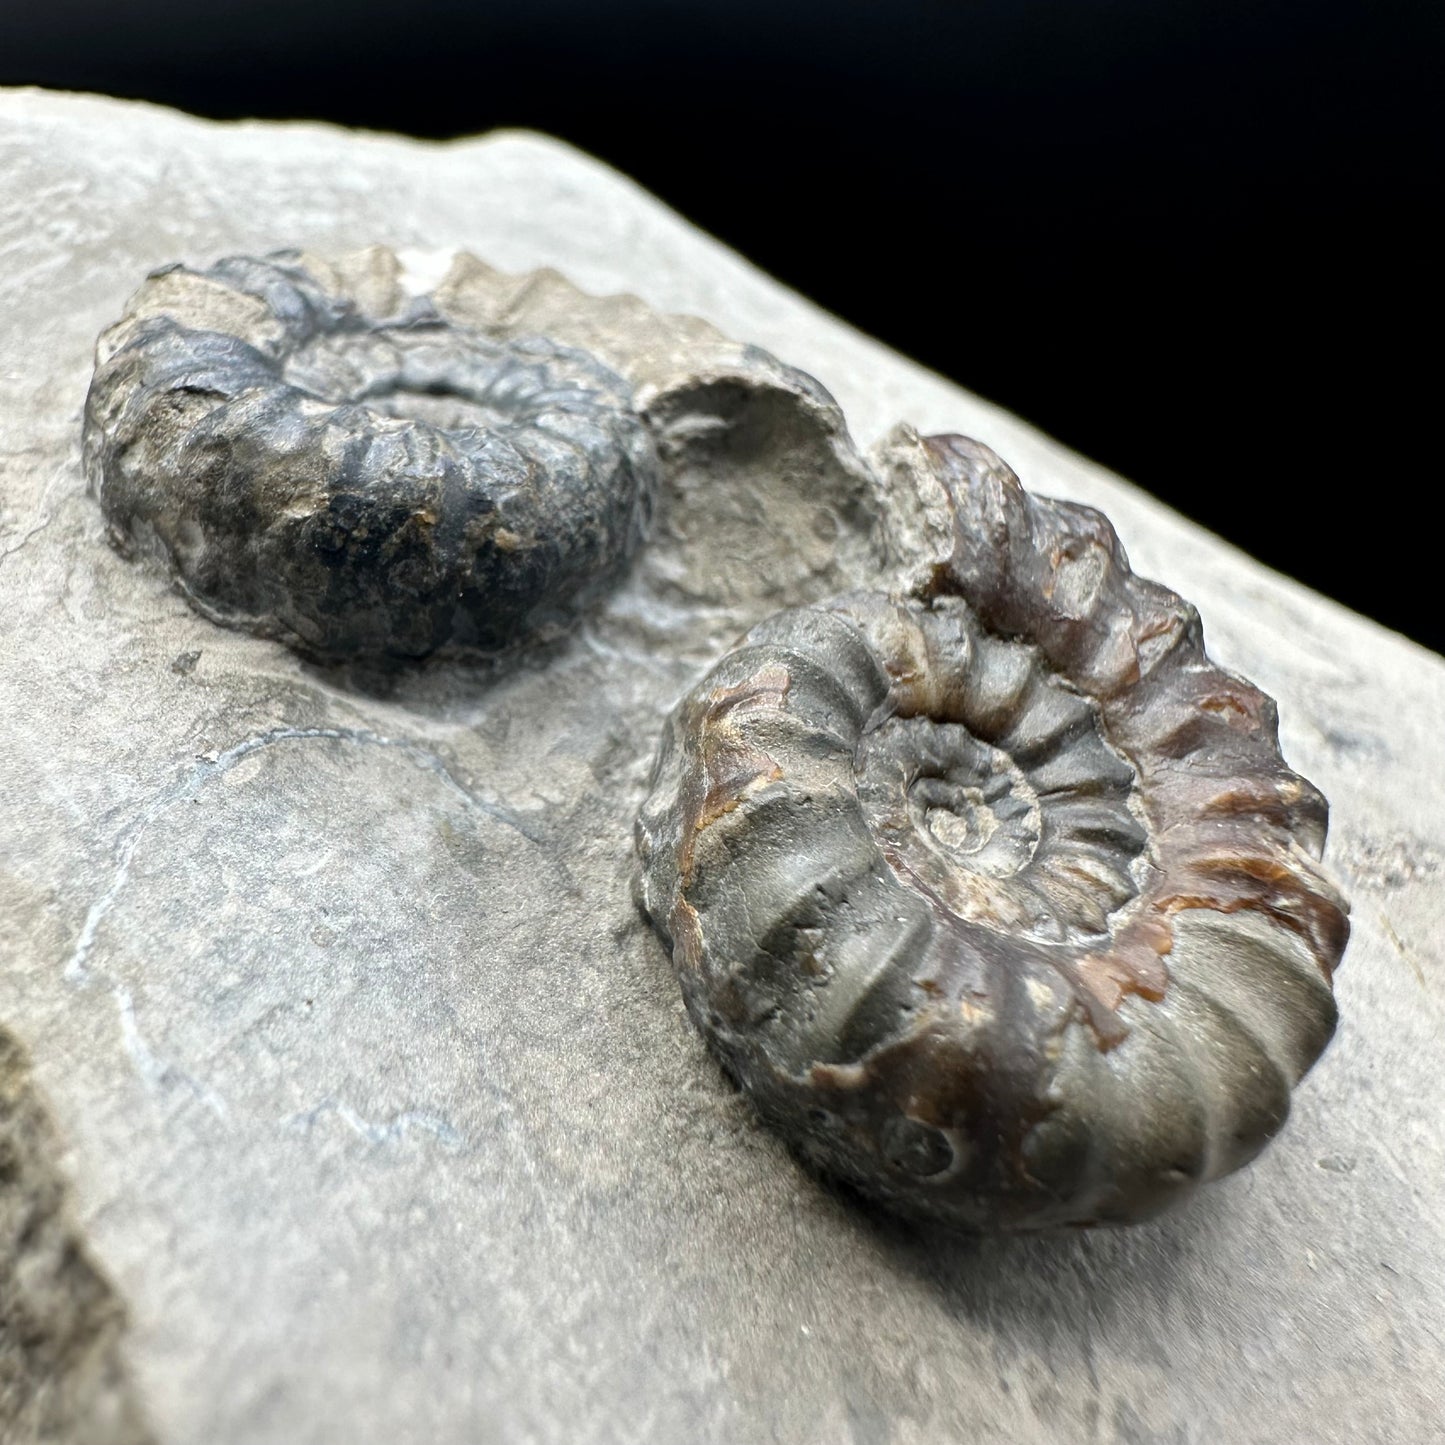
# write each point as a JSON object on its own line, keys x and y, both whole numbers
{"x": 991, "y": 890}
{"x": 317, "y": 456}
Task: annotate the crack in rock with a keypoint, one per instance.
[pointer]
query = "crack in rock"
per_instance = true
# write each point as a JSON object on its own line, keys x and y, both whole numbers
{"x": 25, "y": 536}
{"x": 154, "y": 1071}
{"x": 389, "y": 1131}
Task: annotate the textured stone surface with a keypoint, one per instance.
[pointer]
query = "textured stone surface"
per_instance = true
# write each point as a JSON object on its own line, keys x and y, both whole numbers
{"x": 381, "y": 1112}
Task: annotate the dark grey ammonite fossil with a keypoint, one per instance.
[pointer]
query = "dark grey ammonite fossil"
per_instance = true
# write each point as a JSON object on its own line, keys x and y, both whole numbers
{"x": 996, "y": 895}
{"x": 359, "y": 481}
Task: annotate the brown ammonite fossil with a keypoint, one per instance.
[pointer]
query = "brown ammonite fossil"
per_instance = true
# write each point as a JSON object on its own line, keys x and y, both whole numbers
{"x": 995, "y": 894}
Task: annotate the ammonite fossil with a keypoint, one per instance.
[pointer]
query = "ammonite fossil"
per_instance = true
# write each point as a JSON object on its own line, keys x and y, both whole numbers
{"x": 989, "y": 887}
{"x": 350, "y": 470}
{"x": 994, "y": 893}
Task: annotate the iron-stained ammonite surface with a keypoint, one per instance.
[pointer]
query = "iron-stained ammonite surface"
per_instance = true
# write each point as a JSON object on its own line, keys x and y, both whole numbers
{"x": 997, "y": 898}
{"x": 360, "y": 480}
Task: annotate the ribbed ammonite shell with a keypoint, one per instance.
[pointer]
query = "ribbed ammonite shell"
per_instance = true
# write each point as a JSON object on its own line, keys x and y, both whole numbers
{"x": 997, "y": 898}
{"x": 344, "y": 467}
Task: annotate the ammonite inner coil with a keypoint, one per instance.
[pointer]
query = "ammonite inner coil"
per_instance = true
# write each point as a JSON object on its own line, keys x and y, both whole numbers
{"x": 997, "y": 896}
{"x": 311, "y": 463}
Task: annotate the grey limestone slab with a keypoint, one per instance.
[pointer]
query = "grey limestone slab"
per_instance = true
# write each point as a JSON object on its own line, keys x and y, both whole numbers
{"x": 380, "y": 1114}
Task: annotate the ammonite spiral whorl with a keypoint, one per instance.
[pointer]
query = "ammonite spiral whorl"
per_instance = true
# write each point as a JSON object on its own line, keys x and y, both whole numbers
{"x": 998, "y": 899}
{"x": 356, "y": 473}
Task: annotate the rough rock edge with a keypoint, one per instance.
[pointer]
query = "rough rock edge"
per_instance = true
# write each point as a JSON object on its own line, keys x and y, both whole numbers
{"x": 63, "y": 1377}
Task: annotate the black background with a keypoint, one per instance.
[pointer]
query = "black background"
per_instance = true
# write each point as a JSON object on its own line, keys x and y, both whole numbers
{"x": 1193, "y": 240}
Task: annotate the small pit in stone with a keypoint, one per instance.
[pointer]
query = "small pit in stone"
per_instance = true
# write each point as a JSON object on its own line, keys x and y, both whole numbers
{"x": 916, "y": 1148}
